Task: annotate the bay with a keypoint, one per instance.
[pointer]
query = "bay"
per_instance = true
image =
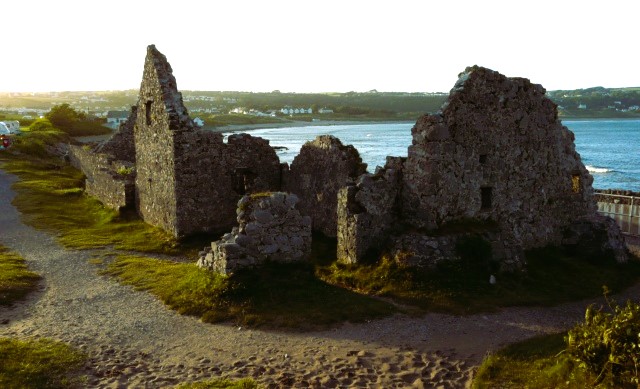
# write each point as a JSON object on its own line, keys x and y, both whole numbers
{"x": 610, "y": 149}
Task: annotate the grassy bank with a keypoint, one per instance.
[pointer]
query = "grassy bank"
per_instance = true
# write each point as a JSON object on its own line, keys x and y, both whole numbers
{"x": 16, "y": 281}
{"x": 38, "y": 363}
{"x": 279, "y": 295}
{"x": 535, "y": 363}
{"x": 245, "y": 383}
{"x": 50, "y": 196}
{"x": 463, "y": 287}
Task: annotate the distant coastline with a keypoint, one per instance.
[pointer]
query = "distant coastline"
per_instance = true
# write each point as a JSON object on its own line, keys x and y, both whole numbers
{"x": 298, "y": 123}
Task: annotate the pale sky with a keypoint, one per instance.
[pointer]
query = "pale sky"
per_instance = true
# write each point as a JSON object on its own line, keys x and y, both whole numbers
{"x": 317, "y": 46}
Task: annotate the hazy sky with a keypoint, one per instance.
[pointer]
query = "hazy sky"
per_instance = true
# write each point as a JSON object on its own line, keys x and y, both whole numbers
{"x": 317, "y": 46}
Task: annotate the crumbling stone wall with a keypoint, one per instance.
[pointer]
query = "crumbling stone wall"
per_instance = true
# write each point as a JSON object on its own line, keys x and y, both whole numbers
{"x": 497, "y": 151}
{"x": 188, "y": 179}
{"x": 110, "y": 181}
{"x": 323, "y": 166}
{"x": 368, "y": 211}
{"x": 121, "y": 144}
{"x": 270, "y": 228}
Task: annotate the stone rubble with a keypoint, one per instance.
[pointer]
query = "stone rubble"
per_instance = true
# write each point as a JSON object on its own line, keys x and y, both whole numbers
{"x": 270, "y": 228}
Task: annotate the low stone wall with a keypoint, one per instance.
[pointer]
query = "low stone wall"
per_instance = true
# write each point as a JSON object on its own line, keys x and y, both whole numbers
{"x": 104, "y": 182}
{"x": 270, "y": 228}
{"x": 368, "y": 211}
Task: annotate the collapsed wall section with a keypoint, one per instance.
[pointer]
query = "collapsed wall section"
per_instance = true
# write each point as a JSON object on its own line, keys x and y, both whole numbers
{"x": 368, "y": 212}
{"x": 270, "y": 228}
{"x": 121, "y": 144}
{"x": 323, "y": 166}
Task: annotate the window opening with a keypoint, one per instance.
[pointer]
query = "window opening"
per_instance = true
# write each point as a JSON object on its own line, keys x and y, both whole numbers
{"x": 483, "y": 158}
{"x": 147, "y": 106}
{"x": 575, "y": 184}
{"x": 485, "y": 198}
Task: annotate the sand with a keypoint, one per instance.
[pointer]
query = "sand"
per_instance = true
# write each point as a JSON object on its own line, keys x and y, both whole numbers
{"x": 134, "y": 341}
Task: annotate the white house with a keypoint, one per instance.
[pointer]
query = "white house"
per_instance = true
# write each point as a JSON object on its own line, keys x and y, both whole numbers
{"x": 582, "y": 106}
{"x": 115, "y": 118}
{"x": 325, "y": 110}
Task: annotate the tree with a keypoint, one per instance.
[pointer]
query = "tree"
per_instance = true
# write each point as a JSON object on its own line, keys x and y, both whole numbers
{"x": 64, "y": 117}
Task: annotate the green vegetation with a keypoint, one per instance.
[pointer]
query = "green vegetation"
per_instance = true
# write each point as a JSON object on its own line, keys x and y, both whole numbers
{"x": 535, "y": 363}
{"x": 602, "y": 352}
{"x": 73, "y": 122}
{"x": 232, "y": 119}
{"x": 279, "y": 295}
{"x": 245, "y": 383}
{"x": 15, "y": 279}
{"x": 463, "y": 287}
{"x": 598, "y": 102}
{"x": 50, "y": 196}
{"x": 607, "y": 345}
{"x": 38, "y": 364}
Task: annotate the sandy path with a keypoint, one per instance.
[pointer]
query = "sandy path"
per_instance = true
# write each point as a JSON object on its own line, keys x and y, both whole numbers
{"x": 134, "y": 341}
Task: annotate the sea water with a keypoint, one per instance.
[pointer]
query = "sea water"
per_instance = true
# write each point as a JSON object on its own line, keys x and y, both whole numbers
{"x": 610, "y": 149}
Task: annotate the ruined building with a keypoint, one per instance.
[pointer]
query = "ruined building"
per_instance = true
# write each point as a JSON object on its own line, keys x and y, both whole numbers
{"x": 496, "y": 155}
{"x": 495, "y": 158}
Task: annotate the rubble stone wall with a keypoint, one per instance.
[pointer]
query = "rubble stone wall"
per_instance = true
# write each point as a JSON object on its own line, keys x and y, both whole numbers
{"x": 323, "y": 166}
{"x": 121, "y": 144}
{"x": 270, "y": 228}
{"x": 188, "y": 179}
{"x": 111, "y": 182}
{"x": 497, "y": 151}
{"x": 368, "y": 211}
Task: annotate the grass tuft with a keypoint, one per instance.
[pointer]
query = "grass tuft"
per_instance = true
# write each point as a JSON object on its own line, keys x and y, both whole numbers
{"x": 537, "y": 362}
{"x": 244, "y": 383}
{"x": 38, "y": 364}
{"x": 15, "y": 279}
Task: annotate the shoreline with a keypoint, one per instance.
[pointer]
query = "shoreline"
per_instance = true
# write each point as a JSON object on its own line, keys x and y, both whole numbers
{"x": 321, "y": 123}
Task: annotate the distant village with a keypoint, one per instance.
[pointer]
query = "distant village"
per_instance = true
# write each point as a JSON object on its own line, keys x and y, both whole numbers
{"x": 113, "y": 106}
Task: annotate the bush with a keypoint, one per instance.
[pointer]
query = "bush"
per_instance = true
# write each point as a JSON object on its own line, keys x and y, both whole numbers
{"x": 41, "y": 125}
{"x": 607, "y": 345}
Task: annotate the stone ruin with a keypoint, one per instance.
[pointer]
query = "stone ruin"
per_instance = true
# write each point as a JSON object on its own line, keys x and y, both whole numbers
{"x": 496, "y": 157}
{"x": 270, "y": 228}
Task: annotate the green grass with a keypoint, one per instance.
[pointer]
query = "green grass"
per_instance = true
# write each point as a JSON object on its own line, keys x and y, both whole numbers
{"x": 51, "y": 197}
{"x": 245, "y": 383}
{"x": 534, "y": 363}
{"x": 38, "y": 364}
{"x": 277, "y": 296}
{"x": 552, "y": 277}
{"x": 15, "y": 279}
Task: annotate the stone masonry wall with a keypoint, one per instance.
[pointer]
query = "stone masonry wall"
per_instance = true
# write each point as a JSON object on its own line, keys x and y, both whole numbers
{"x": 121, "y": 144}
{"x": 270, "y": 228}
{"x": 212, "y": 176}
{"x": 111, "y": 182}
{"x": 188, "y": 179}
{"x": 161, "y": 114}
{"x": 368, "y": 211}
{"x": 497, "y": 151}
{"x": 323, "y": 166}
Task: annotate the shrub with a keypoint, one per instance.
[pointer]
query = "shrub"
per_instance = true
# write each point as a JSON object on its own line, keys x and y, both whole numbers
{"x": 41, "y": 125}
{"x": 607, "y": 344}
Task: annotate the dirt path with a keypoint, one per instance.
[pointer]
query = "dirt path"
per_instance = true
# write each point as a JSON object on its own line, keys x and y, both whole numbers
{"x": 134, "y": 341}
